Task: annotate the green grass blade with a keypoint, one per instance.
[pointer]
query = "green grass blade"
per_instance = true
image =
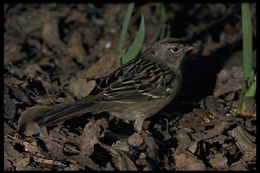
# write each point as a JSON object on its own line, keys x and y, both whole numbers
{"x": 247, "y": 40}
{"x": 160, "y": 11}
{"x": 247, "y": 91}
{"x": 124, "y": 28}
{"x": 252, "y": 89}
{"x": 137, "y": 43}
{"x": 163, "y": 13}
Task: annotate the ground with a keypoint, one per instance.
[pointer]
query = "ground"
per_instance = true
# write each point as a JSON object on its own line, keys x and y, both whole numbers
{"x": 53, "y": 53}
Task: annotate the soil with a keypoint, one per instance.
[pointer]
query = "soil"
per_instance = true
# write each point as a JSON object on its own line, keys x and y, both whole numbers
{"x": 53, "y": 53}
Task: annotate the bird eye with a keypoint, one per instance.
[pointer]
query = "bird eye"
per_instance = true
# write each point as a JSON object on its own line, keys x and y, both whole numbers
{"x": 174, "y": 50}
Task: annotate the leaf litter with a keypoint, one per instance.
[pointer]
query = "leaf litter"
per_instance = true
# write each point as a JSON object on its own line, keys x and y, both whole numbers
{"x": 54, "y": 53}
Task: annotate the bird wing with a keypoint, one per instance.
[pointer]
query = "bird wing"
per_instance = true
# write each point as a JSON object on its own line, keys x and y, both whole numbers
{"x": 139, "y": 80}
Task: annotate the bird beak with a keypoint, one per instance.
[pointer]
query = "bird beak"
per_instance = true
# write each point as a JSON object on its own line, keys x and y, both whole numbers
{"x": 188, "y": 48}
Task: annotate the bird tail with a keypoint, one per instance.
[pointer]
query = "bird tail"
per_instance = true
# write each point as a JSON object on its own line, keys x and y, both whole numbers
{"x": 49, "y": 115}
{"x": 63, "y": 113}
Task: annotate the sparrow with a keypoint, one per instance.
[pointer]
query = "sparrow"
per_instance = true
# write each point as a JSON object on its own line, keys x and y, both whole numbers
{"x": 135, "y": 91}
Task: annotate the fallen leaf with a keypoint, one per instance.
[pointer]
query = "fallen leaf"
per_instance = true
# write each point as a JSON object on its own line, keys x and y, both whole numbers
{"x": 218, "y": 161}
{"x": 81, "y": 87}
{"x": 75, "y": 47}
{"x": 135, "y": 140}
{"x": 187, "y": 162}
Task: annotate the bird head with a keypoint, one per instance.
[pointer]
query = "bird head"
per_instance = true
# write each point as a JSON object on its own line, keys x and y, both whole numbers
{"x": 169, "y": 51}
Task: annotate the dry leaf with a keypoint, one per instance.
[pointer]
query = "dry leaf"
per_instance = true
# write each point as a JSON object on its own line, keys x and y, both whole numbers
{"x": 81, "y": 87}
{"x": 187, "y": 162}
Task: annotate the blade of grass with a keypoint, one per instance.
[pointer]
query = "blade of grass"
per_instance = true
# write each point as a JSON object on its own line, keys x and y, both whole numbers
{"x": 252, "y": 89}
{"x": 163, "y": 13}
{"x": 124, "y": 28}
{"x": 136, "y": 44}
{"x": 160, "y": 11}
{"x": 247, "y": 40}
{"x": 247, "y": 91}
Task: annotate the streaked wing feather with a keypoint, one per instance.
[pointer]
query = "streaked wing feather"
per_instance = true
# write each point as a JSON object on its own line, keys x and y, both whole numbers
{"x": 141, "y": 80}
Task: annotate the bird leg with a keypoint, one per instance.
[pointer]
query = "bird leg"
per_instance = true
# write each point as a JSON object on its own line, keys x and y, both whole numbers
{"x": 138, "y": 124}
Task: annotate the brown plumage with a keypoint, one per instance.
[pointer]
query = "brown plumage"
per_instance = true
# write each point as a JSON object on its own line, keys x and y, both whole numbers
{"x": 135, "y": 91}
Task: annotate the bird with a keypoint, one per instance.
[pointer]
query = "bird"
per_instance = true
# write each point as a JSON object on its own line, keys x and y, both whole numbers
{"x": 135, "y": 91}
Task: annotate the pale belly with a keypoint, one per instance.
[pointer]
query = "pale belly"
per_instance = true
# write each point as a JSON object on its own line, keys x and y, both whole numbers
{"x": 130, "y": 111}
